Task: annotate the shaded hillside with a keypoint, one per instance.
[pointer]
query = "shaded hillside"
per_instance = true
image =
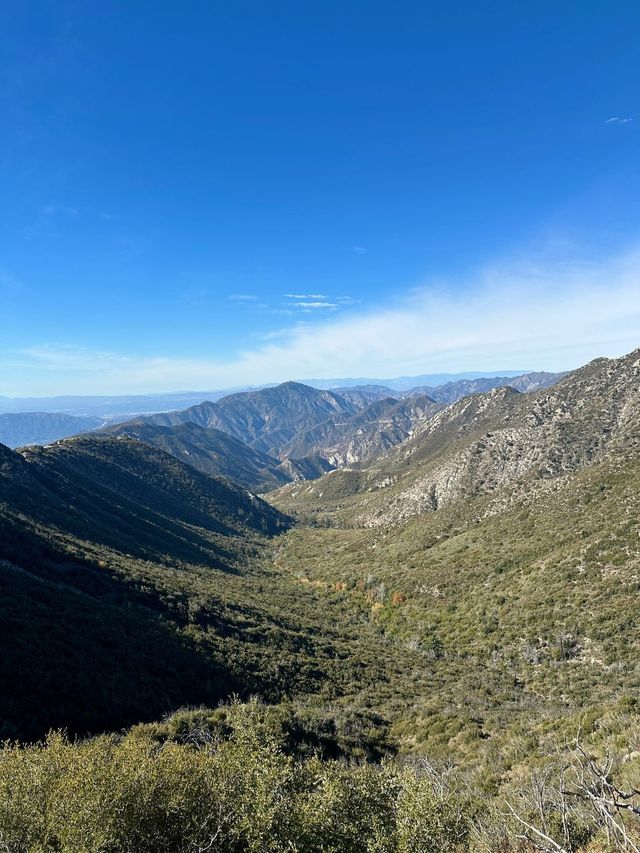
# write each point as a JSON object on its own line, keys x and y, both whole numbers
{"x": 18, "y": 429}
{"x": 210, "y": 451}
{"x": 133, "y": 584}
{"x": 266, "y": 420}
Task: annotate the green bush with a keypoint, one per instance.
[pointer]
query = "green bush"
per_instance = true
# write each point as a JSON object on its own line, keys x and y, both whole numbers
{"x": 245, "y": 793}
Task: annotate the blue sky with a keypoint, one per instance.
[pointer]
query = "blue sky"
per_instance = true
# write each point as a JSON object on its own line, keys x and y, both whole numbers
{"x": 204, "y": 194}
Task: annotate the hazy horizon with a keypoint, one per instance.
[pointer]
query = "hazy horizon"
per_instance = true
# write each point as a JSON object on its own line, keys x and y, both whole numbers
{"x": 347, "y": 382}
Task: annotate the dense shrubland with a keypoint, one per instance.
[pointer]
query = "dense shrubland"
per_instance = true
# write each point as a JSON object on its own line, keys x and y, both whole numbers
{"x": 520, "y": 623}
{"x": 241, "y": 779}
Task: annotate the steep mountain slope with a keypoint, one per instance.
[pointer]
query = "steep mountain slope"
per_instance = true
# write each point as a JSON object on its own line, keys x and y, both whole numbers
{"x": 119, "y": 474}
{"x": 387, "y": 422}
{"x": 306, "y": 468}
{"x": 210, "y": 451}
{"x": 267, "y": 419}
{"x": 18, "y": 429}
{"x": 132, "y": 584}
{"x": 365, "y": 435}
{"x": 484, "y": 442}
{"x": 528, "y": 382}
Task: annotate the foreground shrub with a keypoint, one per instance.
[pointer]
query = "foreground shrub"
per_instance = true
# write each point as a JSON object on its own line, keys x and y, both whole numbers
{"x": 244, "y": 793}
{"x": 137, "y": 794}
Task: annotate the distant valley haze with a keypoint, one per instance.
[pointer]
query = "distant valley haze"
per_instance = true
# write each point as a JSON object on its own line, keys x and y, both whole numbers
{"x": 114, "y": 405}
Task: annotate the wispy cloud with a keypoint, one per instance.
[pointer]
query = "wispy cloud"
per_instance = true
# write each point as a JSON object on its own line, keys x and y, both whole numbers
{"x": 619, "y": 120}
{"x": 68, "y": 210}
{"x": 305, "y": 296}
{"x": 56, "y": 209}
{"x": 360, "y": 250}
{"x": 522, "y": 312}
{"x": 313, "y": 305}
{"x": 242, "y": 297}
{"x": 310, "y": 302}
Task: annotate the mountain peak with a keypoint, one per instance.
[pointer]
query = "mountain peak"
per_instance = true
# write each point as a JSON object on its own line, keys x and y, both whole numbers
{"x": 266, "y": 419}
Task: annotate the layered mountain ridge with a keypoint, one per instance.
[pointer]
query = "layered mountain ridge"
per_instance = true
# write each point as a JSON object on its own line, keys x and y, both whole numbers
{"x": 483, "y": 442}
{"x": 312, "y": 431}
{"x": 265, "y": 420}
{"x": 451, "y": 392}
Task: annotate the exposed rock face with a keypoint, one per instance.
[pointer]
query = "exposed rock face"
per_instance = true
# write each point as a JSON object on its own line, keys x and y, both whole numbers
{"x": 365, "y": 435}
{"x": 305, "y": 468}
{"x": 485, "y": 442}
{"x": 482, "y": 443}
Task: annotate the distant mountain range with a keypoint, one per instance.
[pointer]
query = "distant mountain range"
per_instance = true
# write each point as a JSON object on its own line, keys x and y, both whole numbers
{"x": 263, "y": 439}
{"x": 315, "y": 430}
{"x": 131, "y": 405}
{"x": 452, "y": 391}
{"x": 406, "y": 383}
{"x": 484, "y": 442}
{"x": 21, "y": 428}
